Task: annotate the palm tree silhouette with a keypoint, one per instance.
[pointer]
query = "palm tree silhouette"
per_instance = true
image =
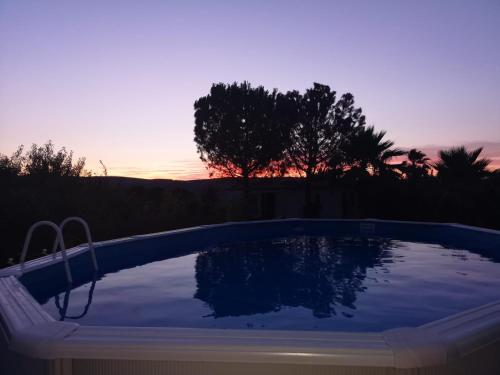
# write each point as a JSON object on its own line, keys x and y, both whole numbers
{"x": 367, "y": 153}
{"x": 418, "y": 164}
{"x": 459, "y": 165}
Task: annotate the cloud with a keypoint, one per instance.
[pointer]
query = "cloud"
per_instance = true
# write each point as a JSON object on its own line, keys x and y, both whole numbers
{"x": 177, "y": 170}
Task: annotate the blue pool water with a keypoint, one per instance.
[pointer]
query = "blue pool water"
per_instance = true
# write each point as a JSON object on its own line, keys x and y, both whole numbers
{"x": 297, "y": 282}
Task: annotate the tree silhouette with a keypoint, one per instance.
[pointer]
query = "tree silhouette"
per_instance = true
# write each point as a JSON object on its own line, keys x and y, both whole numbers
{"x": 12, "y": 166}
{"x": 348, "y": 119}
{"x": 367, "y": 153}
{"x": 237, "y": 130}
{"x": 319, "y": 126}
{"x": 312, "y": 133}
{"x": 44, "y": 161}
{"x": 457, "y": 165}
{"x": 465, "y": 191}
{"x": 417, "y": 166}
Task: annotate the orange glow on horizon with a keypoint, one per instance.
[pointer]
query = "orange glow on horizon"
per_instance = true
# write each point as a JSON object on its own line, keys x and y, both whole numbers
{"x": 194, "y": 170}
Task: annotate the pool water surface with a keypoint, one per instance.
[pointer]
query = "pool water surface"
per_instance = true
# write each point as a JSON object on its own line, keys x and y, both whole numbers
{"x": 299, "y": 282}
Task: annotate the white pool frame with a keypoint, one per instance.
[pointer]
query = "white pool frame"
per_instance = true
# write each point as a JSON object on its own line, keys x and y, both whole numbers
{"x": 30, "y": 337}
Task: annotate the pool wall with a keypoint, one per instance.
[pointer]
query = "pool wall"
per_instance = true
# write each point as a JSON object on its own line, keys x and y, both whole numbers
{"x": 33, "y": 342}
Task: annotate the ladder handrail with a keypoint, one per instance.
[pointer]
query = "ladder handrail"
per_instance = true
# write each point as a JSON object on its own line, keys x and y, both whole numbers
{"x": 59, "y": 239}
{"x": 87, "y": 234}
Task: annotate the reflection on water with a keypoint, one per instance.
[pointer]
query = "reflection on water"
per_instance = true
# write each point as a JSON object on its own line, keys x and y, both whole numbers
{"x": 312, "y": 272}
{"x": 64, "y": 308}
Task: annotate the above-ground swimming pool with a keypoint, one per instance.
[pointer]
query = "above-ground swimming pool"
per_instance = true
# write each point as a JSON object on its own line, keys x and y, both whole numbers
{"x": 303, "y": 292}
{"x": 294, "y": 282}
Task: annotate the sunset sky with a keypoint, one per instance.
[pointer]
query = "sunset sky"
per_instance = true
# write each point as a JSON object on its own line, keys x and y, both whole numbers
{"x": 116, "y": 80}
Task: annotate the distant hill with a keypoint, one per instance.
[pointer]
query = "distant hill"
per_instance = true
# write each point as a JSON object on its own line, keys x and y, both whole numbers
{"x": 212, "y": 183}
{"x": 191, "y": 185}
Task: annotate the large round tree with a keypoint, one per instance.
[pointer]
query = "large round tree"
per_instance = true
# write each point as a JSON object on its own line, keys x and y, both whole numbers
{"x": 319, "y": 127}
{"x": 237, "y": 130}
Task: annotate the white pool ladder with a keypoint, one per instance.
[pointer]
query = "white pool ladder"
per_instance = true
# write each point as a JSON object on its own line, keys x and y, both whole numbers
{"x": 87, "y": 234}
{"x": 59, "y": 241}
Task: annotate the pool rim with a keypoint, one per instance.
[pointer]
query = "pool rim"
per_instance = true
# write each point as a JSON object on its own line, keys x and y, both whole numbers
{"x": 31, "y": 331}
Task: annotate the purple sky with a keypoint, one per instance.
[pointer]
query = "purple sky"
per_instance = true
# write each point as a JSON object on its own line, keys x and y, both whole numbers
{"x": 116, "y": 80}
